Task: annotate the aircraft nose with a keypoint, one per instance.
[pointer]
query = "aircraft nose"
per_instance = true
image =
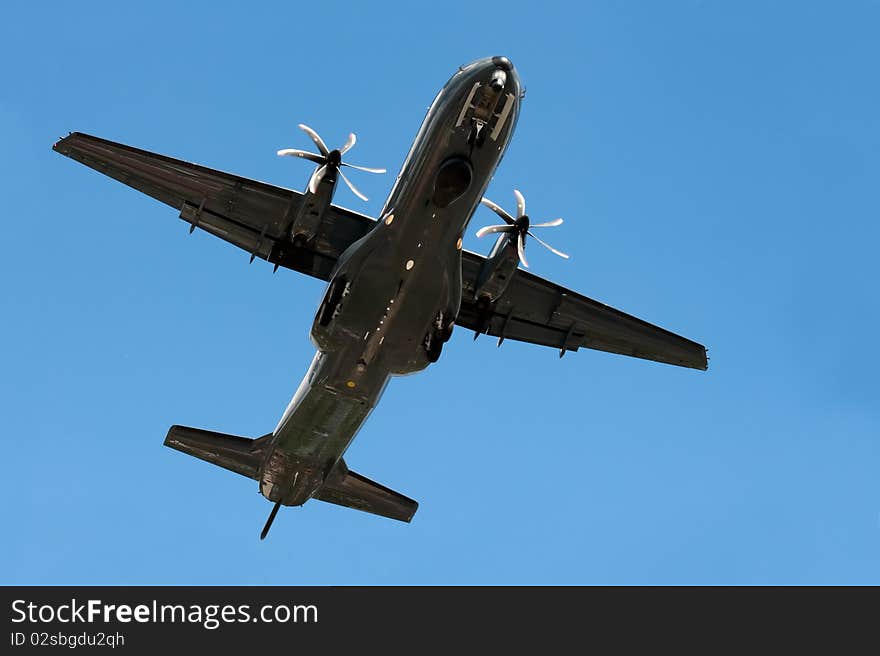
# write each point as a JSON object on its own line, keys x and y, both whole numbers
{"x": 503, "y": 63}
{"x": 497, "y": 73}
{"x": 503, "y": 73}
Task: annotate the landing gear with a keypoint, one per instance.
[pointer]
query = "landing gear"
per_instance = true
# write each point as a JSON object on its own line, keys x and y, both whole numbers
{"x": 446, "y": 333}
{"x": 433, "y": 347}
{"x": 330, "y": 307}
{"x": 434, "y": 340}
{"x": 477, "y": 135}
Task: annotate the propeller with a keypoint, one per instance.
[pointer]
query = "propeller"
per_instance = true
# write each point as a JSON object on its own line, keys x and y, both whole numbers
{"x": 520, "y": 225}
{"x": 328, "y": 159}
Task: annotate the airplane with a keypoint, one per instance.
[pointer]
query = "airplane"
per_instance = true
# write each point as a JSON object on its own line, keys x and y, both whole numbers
{"x": 396, "y": 285}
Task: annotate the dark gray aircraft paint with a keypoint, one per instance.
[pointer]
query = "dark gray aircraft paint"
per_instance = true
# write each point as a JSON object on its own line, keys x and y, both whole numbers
{"x": 396, "y": 285}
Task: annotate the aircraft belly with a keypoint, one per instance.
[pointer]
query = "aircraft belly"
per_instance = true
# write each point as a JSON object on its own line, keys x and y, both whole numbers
{"x": 395, "y": 287}
{"x": 317, "y": 428}
{"x": 323, "y": 424}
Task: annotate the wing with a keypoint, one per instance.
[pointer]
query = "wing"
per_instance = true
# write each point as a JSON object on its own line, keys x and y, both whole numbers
{"x": 252, "y": 215}
{"x": 541, "y": 312}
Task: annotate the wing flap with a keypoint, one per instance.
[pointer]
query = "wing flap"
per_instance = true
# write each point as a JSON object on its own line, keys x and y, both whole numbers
{"x": 247, "y": 239}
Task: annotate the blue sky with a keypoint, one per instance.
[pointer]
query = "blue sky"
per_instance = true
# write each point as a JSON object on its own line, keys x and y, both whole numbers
{"x": 717, "y": 166}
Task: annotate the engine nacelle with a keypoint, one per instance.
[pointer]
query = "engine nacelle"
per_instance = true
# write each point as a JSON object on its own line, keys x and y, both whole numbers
{"x": 498, "y": 269}
{"x": 311, "y": 212}
{"x": 319, "y": 191}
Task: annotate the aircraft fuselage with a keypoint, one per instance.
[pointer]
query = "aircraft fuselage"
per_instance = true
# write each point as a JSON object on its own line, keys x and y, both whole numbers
{"x": 394, "y": 294}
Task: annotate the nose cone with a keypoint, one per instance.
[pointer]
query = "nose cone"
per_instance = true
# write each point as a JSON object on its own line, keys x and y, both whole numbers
{"x": 498, "y": 72}
{"x": 490, "y": 64}
{"x": 503, "y": 63}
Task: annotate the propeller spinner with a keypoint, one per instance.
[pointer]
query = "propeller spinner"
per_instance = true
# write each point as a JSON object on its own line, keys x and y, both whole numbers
{"x": 520, "y": 225}
{"x": 327, "y": 159}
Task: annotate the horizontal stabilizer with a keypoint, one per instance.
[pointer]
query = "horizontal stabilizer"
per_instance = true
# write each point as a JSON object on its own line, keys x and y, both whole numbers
{"x": 239, "y": 454}
{"x": 346, "y": 488}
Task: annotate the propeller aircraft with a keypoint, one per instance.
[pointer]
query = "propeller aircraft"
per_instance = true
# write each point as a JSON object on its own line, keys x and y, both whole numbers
{"x": 396, "y": 285}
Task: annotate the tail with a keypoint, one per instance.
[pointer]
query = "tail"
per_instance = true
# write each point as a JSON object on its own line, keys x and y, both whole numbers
{"x": 246, "y": 456}
{"x": 347, "y": 488}
{"x": 239, "y": 454}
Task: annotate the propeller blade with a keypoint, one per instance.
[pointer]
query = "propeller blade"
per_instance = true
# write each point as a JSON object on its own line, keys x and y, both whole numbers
{"x": 363, "y": 168}
{"x": 352, "y": 140}
{"x": 293, "y": 152}
{"x": 314, "y": 136}
{"x": 548, "y": 224}
{"x": 316, "y": 178}
{"x": 521, "y": 250}
{"x": 354, "y": 189}
{"x": 498, "y": 210}
{"x": 482, "y": 232}
{"x": 548, "y": 246}
{"x": 520, "y": 203}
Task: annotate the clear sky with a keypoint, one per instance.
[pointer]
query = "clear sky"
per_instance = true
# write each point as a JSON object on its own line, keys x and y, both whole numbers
{"x": 718, "y": 167}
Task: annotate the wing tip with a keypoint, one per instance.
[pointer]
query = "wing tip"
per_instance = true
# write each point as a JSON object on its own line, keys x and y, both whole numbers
{"x": 415, "y": 508}
{"x": 699, "y": 361}
{"x": 61, "y": 146}
{"x": 704, "y": 364}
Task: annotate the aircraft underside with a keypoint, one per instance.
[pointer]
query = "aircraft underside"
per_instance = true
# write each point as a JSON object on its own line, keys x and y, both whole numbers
{"x": 396, "y": 285}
